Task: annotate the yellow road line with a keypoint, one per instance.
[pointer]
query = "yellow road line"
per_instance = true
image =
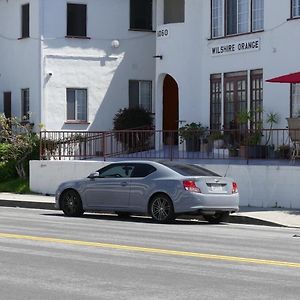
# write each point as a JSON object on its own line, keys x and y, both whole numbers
{"x": 152, "y": 250}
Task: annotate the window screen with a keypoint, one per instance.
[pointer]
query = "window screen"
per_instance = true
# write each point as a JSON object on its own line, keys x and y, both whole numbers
{"x": 141, "y": 14}
{"x": 25, "y": 20}
{"x": 76, "y": 19}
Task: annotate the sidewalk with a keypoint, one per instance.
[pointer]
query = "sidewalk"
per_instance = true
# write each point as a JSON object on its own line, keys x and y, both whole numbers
{"x": 246, "y": 215}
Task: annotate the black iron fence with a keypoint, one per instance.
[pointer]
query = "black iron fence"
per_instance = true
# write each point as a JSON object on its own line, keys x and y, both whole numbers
{"x": 158, "y": 144}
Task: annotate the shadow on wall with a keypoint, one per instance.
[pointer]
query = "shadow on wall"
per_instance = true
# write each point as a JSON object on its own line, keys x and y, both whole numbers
{"x": 108, "y": 93}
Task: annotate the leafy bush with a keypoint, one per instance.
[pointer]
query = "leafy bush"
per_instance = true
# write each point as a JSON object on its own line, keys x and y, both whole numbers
{"x": 7, "y": 171}
{"x": 136, "y": 121}
{"x": 133, "y": 118}
{"x": 21, "y": 142}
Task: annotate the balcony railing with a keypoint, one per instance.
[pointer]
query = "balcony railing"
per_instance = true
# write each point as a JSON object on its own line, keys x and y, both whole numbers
{"x": 158, "y": 144}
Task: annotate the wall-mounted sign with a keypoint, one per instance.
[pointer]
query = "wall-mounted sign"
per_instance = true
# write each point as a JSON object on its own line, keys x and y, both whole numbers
{"x": 163, "y": 33}
{"x": 236, "y": 47}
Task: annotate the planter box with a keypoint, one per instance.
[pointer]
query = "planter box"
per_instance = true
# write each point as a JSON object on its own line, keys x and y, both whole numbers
{"x": 220, "y": 153}
{"x": 192, "y": 145}
{"x": 253, "y": 151}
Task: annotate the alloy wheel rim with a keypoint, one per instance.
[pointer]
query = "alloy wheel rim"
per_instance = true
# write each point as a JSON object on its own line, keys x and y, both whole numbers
{"x": 71, "y": 202}
{"x": 160, "y": 209}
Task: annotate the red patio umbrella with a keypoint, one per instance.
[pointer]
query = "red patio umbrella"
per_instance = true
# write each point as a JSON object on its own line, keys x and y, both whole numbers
{"x": 289, "y": 78}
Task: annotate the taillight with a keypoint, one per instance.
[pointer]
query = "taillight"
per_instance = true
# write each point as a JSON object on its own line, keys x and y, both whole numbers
{"x": 234, "y": 188}
{"x": 191, "y": 186}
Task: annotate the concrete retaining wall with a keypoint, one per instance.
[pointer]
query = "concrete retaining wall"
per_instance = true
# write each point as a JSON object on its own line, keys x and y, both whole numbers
{"x": 260, "y": 186}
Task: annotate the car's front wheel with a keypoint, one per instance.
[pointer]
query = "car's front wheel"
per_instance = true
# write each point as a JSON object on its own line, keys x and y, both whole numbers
{"x": 161, "y": 209}
{"x": 217, "y": 217}
{"x": 71, "y": 204}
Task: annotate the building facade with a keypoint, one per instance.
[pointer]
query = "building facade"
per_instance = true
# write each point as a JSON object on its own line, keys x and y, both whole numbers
{"x": 71, "y": 65}
{"x": 219, "y": 53}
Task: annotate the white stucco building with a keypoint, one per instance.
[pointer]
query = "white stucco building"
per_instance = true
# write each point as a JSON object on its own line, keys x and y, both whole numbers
{"x": 73, "y": 64}
{"x": 67, "y": 64}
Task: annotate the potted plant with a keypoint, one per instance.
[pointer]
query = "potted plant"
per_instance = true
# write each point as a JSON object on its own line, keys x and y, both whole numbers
{"x": 283, "y": 151}
{"x": 250, "y": 146}
{"x": 191, "y": 134}
{"x": 271, "y": 119}
{"x": 133, "y": 128}
{"x": 217, "y": 139}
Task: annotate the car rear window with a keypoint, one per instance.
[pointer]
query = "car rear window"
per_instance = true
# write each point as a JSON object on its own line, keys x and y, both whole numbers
{"x": 189, "y": 170}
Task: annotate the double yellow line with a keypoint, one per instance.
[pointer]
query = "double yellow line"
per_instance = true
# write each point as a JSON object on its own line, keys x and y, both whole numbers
{"x": 152, "y": 250}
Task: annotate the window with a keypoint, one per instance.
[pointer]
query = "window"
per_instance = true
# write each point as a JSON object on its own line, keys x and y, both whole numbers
{"x": 140, "y": 94}
{"x": 217, "y": 18}
{"x": 235, "y": 98}
{"x": 295, "y": 8}
{"x": 215, "y": 101}
{"x": 230, "y": 17}
{"x": 116, "y": 171}
{"x": 142, "y": 170}
{"x": 189, "y": 170}
{"x": 76, "y": 20}
{"x": 25, "y": 21}
{"x": 256, "y": 100}
{"x": 173, "y": 11}
{"x": 77, "y": 105}
{"x": 295, "y": 100}
{"x": 257, "y": 15}
{"x": 141, "y": 14}
{"x": 25, "y": 104}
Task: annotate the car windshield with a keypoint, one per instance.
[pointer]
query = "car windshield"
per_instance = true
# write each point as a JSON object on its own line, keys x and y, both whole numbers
{"x": 189, "y": 170}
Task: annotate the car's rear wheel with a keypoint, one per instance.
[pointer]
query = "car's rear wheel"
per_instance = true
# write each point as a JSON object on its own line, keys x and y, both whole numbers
{"x": 161, "y": 209}
{"x": 71, "y": 204}
{"x": 217, "y": 217}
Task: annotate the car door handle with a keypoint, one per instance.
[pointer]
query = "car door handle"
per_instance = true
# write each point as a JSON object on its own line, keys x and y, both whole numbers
{"x": 124, "y": 183}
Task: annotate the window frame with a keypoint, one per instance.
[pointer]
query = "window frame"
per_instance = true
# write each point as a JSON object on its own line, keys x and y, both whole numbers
{"x": 76, "y": 120}
{"x": 292, "y": 114}
{"x": 140, "y": 94}
{"x": 292, "y": 16}
{"x": 137, "y": 28}
{"x": 216, "y": 79}
{"x": 25, "y": 21}
{"x": 25, "y": 104}
{"x": 256, "y": 103}
{"x": 85, "y": 29}
{"x": 224, "y": 21}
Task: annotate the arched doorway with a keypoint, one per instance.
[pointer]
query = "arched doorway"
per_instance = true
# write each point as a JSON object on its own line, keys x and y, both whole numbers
{"x": 170, "y": 109}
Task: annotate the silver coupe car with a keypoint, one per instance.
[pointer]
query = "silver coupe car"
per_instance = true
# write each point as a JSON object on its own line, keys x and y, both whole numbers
{"x": 163, "y": 190}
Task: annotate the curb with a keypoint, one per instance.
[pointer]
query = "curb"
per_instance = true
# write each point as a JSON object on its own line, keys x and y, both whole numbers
{"x": 27, "y": 204}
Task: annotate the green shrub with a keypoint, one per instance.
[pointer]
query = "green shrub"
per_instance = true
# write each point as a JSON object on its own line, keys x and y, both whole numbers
{"x": 7, "y": 171}
{"x": 134, "y": 119}
{"x": 4, "y": 151}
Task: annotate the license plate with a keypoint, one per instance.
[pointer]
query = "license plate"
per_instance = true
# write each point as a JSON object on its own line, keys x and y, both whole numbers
{"x": 216, "y": 188}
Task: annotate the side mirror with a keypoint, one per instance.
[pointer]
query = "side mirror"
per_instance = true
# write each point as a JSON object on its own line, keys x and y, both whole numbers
{"x": 94, "y": 175}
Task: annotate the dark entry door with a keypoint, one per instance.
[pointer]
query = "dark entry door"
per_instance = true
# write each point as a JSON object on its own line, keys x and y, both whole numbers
{"x": 170, "y": 110}
{"x": 7, "y": 104}
{"x": 235, "y": 101}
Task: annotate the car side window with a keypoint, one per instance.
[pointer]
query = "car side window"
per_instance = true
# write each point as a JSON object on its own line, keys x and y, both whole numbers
{"x": 116, "y": 171}
{"x": 142, "y": 170}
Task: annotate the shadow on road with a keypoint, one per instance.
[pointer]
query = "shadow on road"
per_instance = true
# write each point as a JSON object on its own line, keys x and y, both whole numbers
{"x": 192, "y": 220}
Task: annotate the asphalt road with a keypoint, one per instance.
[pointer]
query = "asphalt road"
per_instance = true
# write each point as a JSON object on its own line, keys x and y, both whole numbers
{"x": 44, "y": 255}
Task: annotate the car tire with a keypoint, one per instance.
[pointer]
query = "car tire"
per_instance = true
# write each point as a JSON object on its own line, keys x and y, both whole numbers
{"x": 123, "y": 214}
{"x": 217, "y": 218}
{"x": 161, "y": 209}
{"x": 71, "y": 204}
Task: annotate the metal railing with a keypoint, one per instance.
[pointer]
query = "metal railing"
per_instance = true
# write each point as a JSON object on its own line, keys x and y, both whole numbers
{"x": 159, "y": 144}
